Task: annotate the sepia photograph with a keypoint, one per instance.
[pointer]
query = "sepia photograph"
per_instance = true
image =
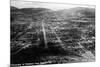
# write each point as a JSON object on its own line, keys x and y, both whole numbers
{"x": 43, "y": 33}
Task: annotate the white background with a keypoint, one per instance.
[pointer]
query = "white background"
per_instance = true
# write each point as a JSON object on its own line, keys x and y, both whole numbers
{"x": 5, "y": 33}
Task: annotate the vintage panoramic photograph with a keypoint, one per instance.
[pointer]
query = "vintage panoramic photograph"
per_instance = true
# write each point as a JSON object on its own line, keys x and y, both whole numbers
{"x": 51, "y": 33}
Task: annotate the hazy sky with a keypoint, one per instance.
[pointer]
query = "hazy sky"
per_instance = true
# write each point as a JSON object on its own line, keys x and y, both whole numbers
{"x": 53, "y": 6}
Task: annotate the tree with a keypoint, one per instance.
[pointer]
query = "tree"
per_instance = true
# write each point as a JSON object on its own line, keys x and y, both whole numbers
{"x": 74, "y": 33}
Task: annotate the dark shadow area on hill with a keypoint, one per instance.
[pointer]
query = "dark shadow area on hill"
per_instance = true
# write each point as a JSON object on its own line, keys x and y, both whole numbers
{"x": 33, "y": 54}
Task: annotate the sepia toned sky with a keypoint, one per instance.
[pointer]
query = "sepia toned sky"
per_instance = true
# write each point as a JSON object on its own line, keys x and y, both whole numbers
{"x": 53, "y": 6}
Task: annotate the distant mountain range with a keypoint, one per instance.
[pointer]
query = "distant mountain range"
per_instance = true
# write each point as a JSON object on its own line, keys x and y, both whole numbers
{"x": 35, "y": 13}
